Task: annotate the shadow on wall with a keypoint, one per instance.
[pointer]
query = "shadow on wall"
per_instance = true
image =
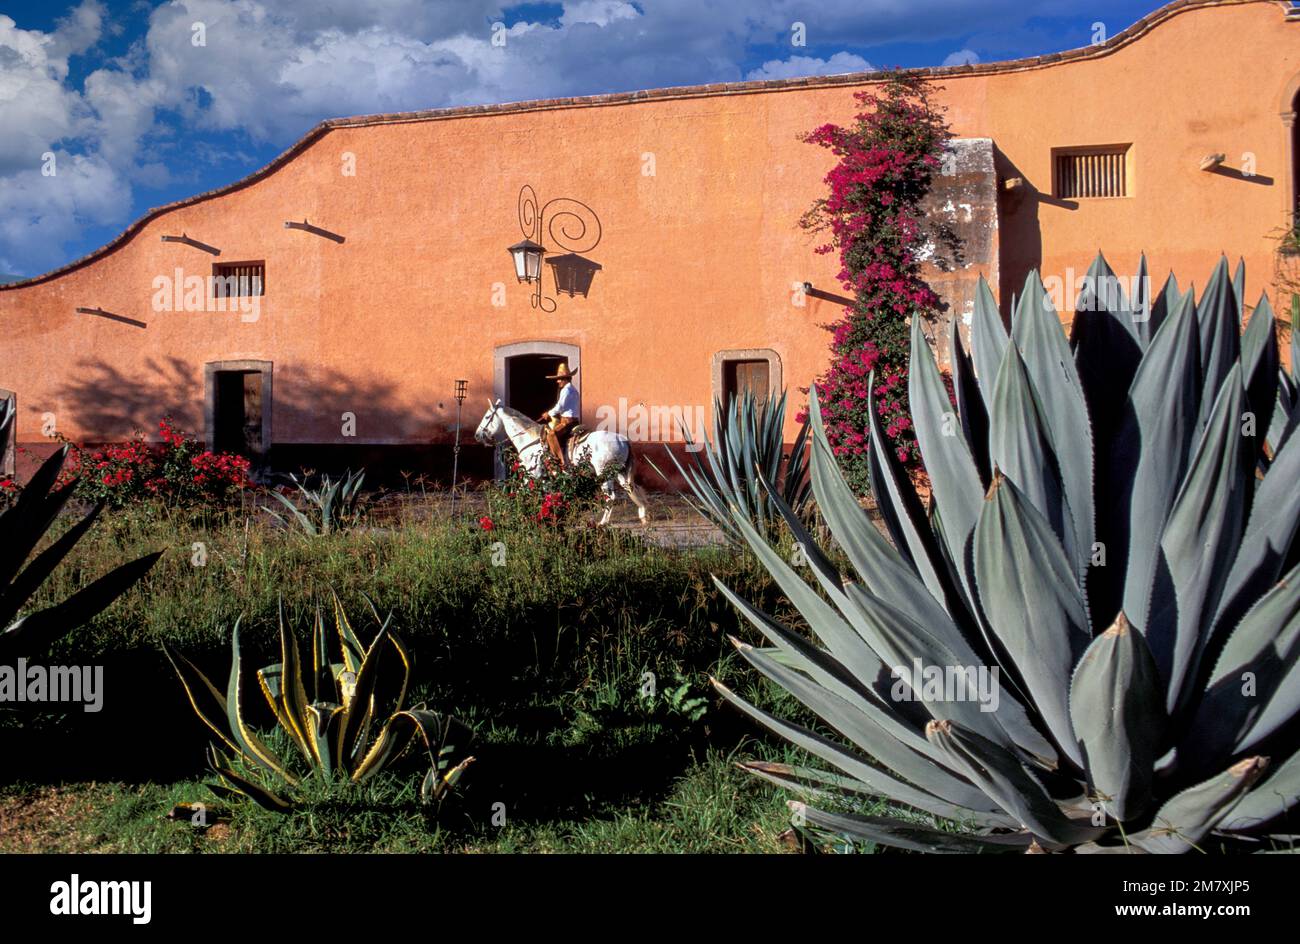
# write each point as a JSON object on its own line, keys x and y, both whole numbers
{"x": 336, "y": 420}
{"x": 1020, "y": 236}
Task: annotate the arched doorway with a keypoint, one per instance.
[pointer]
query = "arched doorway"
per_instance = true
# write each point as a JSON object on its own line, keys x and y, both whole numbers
{"x": 520, "y": 371}
{"x": 519, "y": 377}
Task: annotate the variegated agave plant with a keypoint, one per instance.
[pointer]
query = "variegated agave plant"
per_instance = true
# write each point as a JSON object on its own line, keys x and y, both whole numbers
{"x": 1111, "y": 531}
{"x": 346, "y": 719}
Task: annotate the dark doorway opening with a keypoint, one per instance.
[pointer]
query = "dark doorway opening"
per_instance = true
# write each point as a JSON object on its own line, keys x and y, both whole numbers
{"x": 527, "y": 388}
{"x": 237, "y": 413}
{"x": 739, "y": 377}
{"x": 1295, "y": 164}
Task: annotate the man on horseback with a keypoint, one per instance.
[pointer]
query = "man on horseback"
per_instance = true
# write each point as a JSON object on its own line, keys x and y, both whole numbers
{"x": 560, "y": 419}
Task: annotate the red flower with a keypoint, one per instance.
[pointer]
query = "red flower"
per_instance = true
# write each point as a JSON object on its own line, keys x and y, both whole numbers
{"x": 485, "y": 523}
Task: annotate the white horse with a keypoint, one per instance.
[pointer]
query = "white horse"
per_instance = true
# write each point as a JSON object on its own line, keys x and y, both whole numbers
{"x": 602, "y": 450}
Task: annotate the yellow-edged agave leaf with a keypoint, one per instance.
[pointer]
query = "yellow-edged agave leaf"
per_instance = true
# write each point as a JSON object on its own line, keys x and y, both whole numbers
{"x": 360, "y": 709}
{"x": 323, "y": 722}
{"x": 1184, "y": 822}
{"x": 249, "y": 743}
{"x": 206, "y": 700}
{"x": 269, "y": 679}
{"x": 243, "y": 786}
{"x": 396, "y": 735}
{"x": 353, "y": 651}
{"x": 293, "y": 694}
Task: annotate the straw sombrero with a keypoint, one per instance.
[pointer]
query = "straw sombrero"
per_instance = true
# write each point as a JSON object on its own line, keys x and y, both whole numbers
{"x": 561, "y": 372}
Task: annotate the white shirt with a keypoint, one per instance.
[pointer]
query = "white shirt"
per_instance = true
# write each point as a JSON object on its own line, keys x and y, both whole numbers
{"x": 567, "y": 404}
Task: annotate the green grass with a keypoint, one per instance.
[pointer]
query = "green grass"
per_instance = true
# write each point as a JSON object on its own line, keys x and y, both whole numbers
{"x": 548, "y": 659}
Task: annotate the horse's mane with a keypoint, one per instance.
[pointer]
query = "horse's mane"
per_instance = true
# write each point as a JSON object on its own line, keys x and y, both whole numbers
{"x": 525, "y": 420}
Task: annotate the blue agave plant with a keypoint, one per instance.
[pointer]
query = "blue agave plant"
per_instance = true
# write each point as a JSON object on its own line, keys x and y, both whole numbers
{"x": 1112, "y": 537}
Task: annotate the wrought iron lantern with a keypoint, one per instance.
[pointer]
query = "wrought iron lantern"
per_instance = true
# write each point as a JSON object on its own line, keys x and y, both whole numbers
{"x": 528, "y": 260}
{"x": 569, "y": 224}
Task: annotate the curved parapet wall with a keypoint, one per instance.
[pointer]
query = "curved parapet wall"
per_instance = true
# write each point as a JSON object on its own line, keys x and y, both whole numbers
{"x": 400, "y": 282}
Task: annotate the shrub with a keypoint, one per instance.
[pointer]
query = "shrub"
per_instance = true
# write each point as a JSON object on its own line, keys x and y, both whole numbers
{"x": 558, "y": 497}
{"x": 886, "y": 162}
{"x": 179, "y": 472}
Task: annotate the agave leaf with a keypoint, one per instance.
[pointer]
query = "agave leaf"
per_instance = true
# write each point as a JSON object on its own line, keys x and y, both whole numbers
{"x": 1186, "y": 819}
{"x": 1220, "y": 323}
{"x": 901, "y": 510}
{"x": 958, "y": 493}
{"x": 303, "y": 521}
{"x": 911, "y": 836}
{"x": 1270, "y": 804}
{"x": 1118, "y": 713}
{"x": 1273, "y": 527}
{"x": 1055, "y": 383}
{"x": 243, "y": 786}
{"x": 1260, "y": 361}
{"x": 863, "y": 731}
{"x": 826, "y": 623}
{"x": 293, "y": 697}
{"x": 14, "y": 595}
{"x": 1199, "y": 542}
{"x": 1021, "y": 449}
{"x": 999, "y": 774}
{"x": 34, "y": 629}
{"x": 988, "y": 338}
{"x": 878, "y": 563}
{"x": 353, "y": 652}
{"x": 970, "y": 403}
{"x": 877, "y": 780}
{"x": 870, "y": 691}
{"x": 902, "y": 643}
{"x": 1286, "y": 411}
{"x": 25, "y": 522}
{"x": 323, "y": 723}
{"x": 249, "y": 744}
{"x": 1255, "y": 687}
{"x": 204, "y": 697}
{"x": 1159, "y": 430}
{"x": 1034, "y": 607}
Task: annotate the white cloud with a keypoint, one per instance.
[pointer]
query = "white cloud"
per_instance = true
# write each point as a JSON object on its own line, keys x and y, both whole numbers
{"x": 271, "y": 69}
{"x": 962, "y": 57}
{"x": 797, "y": 66}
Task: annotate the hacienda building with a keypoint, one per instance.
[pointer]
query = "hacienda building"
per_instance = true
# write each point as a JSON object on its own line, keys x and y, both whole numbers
{"x": 365, "y": 270}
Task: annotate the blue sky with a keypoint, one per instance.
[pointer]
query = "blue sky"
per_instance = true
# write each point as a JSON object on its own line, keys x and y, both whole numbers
{"x": 136, "y": 112}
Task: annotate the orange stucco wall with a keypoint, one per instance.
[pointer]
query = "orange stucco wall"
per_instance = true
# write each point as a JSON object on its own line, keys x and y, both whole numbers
{"x": 697, "y": 258}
